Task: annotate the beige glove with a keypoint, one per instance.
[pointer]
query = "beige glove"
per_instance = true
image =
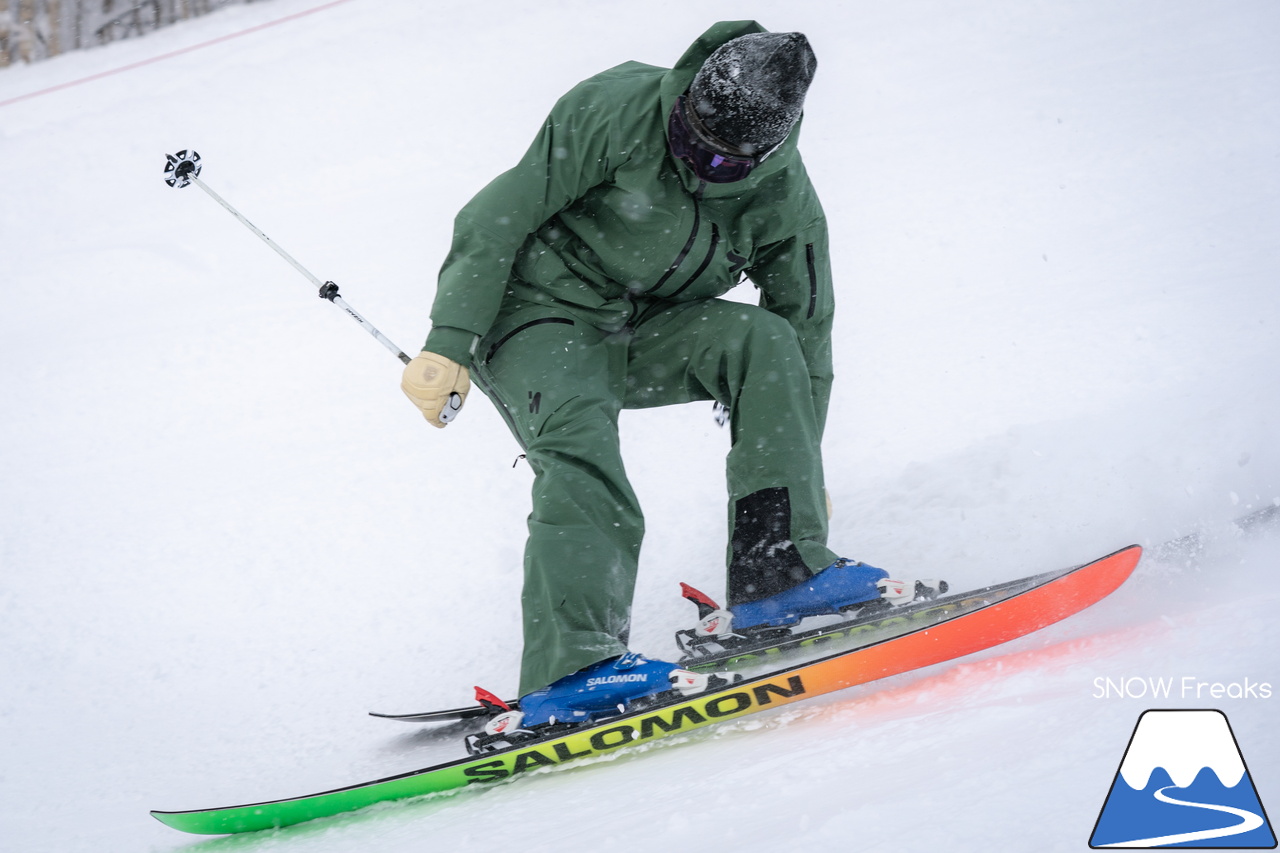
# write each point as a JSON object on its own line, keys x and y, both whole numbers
{"x": 436, "y": 385}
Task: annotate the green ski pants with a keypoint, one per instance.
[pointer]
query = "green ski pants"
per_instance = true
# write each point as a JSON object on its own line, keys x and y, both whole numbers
{"x": 561, "y": 384}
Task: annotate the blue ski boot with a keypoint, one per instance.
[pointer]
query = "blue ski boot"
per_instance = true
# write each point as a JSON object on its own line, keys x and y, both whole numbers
{"x": 839, "y": 586}
{"x": 606, "y": 689}
{"x": 843, "y": 587}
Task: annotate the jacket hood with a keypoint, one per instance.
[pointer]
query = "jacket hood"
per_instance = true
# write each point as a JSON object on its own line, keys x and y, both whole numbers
{"x": 677, "y": 81}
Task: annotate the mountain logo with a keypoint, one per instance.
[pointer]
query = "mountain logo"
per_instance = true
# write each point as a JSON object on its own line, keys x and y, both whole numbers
{"x": 1183, "y": 783}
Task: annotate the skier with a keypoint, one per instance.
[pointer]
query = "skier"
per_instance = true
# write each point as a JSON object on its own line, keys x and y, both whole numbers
{"x": 584, "y": 281}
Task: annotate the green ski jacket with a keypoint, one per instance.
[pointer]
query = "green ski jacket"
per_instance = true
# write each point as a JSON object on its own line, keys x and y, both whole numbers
{"x": 601, "y": 221}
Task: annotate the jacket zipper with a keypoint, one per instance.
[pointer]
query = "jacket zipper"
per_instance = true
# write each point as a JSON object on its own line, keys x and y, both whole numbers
{"x": 711, "y": 253}
{"x": 813, "y": 280}
{"x": 478, "y": 376}
{"x": 688, "y": 244}
{"x": 493, "y": 350}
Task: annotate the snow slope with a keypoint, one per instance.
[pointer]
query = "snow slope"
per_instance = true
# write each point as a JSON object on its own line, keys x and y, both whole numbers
{"x": 224, "y": 535}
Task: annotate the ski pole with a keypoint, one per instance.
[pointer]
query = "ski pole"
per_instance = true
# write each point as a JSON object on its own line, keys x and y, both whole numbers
{"x": 183, "y": 169}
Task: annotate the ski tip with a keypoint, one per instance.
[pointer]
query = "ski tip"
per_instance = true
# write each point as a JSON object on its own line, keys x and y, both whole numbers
{"x": 182, "y": 822}
{"x": 1133, "y": 552}
{"x": 1116, "y": 567}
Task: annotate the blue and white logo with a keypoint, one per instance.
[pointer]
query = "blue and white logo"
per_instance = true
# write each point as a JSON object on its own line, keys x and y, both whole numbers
{"x": 1183, "y": 783}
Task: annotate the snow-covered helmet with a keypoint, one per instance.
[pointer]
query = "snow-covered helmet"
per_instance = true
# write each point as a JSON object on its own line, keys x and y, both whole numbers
{"x": 750, "y": 91}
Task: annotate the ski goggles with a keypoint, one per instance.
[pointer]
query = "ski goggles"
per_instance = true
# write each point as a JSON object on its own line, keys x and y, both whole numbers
{"x": 708, "y": 162}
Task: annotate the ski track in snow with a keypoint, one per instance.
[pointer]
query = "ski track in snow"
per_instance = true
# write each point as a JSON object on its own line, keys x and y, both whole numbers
{"x": 225, "y": 535}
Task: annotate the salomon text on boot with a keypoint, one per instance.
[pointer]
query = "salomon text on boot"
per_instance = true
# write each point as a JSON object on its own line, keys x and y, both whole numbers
{"x": 609, "y": 688}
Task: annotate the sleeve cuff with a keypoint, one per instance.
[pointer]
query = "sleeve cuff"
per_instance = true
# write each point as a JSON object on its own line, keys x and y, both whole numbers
{"x": 456, "y": 344}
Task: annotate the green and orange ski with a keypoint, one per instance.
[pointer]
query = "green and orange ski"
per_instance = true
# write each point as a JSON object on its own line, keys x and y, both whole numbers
{"x": 980, "y": 620}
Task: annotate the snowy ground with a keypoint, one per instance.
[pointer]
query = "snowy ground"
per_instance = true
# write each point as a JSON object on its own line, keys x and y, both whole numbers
{"x": 224, "y": 535}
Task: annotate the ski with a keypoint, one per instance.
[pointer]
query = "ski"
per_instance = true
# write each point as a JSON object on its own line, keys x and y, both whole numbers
{"x": 863, "y": 630}
{"x": 1048, "y": 599}
{"x": 448, "y": 715}
{"x": 487, "y": 705}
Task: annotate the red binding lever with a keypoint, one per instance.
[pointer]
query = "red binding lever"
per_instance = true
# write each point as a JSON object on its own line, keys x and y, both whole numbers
{"x": 705, "y": 603}
{"x": 493, "y": 703}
